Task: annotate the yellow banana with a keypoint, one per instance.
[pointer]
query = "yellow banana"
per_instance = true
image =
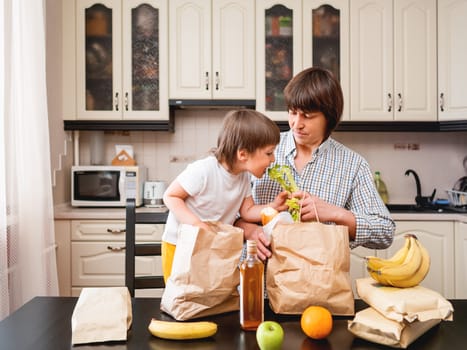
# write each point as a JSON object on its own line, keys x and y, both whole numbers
{"x": 419, "y": 275}
{"x": 410, "y": 265}
{"x": 182, "y": 330}
{"x": 375, "y": 263}
{"x": 388, "y": 274}
{"x": 408, "y": 273}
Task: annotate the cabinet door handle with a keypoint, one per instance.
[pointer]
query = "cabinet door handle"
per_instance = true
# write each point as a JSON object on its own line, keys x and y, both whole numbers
{"x": 116, "y": 232}
{"x": 217, "y": 80}
{"x": 206, "y": 81}
{"x": 389, "y": 102}
{"x": 116, "y": 101}
{"x": 126, "y": 101}
{"x": 400, "y": 102}
{"x": 441, "y": 101}
{"x": 115, "y": 249}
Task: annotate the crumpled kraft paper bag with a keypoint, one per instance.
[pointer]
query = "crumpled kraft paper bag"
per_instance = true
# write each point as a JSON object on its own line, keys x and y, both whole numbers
{"x": 409, "y": 304}
{"x": 309, "y": 265}
{"x": 101, "y": 314}
{"x": 370, "y": 325}
{"x": 204, "y": 276}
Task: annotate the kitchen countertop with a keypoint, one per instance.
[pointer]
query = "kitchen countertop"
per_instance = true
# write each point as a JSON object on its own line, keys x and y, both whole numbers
{"x": 67, "y": 212}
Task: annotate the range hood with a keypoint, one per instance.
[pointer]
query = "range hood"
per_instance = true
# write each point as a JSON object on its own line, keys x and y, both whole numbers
{"x": 211, "y": 104}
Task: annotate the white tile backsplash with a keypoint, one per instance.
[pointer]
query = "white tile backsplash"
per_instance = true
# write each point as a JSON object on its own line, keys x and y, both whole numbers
{"x": 438, "y": 162}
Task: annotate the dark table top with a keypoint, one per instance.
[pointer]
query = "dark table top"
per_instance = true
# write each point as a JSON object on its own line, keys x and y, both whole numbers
{"x": 45, "y": 323}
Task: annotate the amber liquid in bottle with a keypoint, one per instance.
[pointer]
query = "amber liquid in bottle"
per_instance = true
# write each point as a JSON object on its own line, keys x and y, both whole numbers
{"x": 251, "y": 290}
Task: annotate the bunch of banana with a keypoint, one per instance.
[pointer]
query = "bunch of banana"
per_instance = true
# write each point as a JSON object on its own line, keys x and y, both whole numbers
{"x": 406, "y": 268}
{"x": 182, "y": 330}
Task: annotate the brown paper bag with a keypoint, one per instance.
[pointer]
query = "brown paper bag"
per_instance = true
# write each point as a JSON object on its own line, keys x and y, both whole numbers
{"x": 404, "y": 304}
{"x": 309, "y": 265}
{"x": 370, "y": 325}
{"x": 101, "y": 314}
{"x": 204, "y": 275}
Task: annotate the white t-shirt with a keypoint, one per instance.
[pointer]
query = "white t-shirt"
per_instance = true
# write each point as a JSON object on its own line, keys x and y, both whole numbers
{"x": 215, "y": 194}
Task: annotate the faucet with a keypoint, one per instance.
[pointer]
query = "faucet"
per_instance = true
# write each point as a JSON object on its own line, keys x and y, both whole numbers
{"x": 419, "y": 199}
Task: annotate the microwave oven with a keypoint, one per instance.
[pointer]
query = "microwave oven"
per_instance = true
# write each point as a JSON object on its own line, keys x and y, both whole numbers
{"x": 106, "y": 186}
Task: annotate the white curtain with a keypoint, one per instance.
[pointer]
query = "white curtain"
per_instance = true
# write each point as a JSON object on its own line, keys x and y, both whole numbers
{"x": 27, "y": 242}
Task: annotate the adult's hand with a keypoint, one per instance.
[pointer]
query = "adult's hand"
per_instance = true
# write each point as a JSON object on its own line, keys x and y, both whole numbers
{"x": 313, "y": 208}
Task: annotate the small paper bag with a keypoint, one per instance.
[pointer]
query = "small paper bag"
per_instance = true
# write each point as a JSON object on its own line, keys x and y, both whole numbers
{"x": 101, "y": 314}
{"x": 204, "y": 276}
{"x": 370, "y": 325}
{"x": 309, "y": 265}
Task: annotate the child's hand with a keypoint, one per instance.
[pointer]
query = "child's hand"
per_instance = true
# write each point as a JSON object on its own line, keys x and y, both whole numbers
{"x": 279, "y": 202}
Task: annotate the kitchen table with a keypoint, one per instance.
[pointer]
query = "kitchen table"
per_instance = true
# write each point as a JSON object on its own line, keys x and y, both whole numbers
{"x": 45, "y": 323}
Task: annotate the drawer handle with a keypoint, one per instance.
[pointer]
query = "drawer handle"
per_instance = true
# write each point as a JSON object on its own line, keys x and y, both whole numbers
{"x": 116, "y": 232}
{"x": 115, "y": 249}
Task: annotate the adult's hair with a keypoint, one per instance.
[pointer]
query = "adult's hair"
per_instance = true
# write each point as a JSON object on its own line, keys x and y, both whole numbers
{"x": 316, "y": 90}
{"x": 244, "y": 129}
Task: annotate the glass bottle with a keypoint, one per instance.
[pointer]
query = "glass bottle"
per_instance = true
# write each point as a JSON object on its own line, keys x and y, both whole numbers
{"x": 251, "y": 289}
{"x": 381, "y": 187}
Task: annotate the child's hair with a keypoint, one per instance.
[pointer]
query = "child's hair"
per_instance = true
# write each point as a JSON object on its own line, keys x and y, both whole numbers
{"x": 316, "y": 90}
{"x": 244, "y": 129}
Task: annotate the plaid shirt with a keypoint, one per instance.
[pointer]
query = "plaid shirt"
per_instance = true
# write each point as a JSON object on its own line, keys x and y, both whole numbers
{"x": 341, "y": 177}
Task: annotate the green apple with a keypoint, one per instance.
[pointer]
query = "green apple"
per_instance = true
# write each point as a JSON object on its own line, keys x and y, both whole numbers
{"x": 270, "y": 335}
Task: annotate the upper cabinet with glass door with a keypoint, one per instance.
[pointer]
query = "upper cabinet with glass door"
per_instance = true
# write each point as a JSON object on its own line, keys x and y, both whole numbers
{"x": 121, "y": 60}
{"x": 293, "y": 35}
{"x": 326, "y": 40}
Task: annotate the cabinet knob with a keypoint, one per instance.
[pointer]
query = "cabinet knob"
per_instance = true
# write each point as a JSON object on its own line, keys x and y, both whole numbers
{"x": 441, "y": 101}
{"x": 217, "y": 80}
{"x": 400, "y": 102}
{"x": 206, "y": 81}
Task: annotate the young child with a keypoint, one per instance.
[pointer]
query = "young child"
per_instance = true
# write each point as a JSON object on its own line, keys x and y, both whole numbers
{"x": 218, "y": 187}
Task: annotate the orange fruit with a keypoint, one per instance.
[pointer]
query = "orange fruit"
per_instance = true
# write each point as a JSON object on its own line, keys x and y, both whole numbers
{"x": 267, "y": 214}
{"x": 316, "y": 322}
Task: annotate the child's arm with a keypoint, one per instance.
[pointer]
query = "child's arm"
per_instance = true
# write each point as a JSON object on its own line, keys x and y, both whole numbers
{"x": 174, "y": 199}
{"x": 251, "y": 212}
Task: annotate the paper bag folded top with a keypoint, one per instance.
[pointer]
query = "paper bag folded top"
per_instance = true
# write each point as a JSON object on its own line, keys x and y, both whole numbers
{"x": 101, "y": 314}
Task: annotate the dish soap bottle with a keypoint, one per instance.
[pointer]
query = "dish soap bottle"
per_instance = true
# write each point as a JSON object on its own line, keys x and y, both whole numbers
{"x": 251, "y": 289}
{"x": 381, "y": 187}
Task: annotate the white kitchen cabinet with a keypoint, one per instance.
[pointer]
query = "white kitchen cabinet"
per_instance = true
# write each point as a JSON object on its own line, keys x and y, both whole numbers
{"x": 438, "y": 238}
{"x": 293, "y": 35}
{"x": 212, "y": 49}
{"x": 98, "y": 254}
{"x": 121, "y": 66}
{"x": 358, "y": 265}
{"x": 461, "y": 260}
{"x": 393, "y": 60}
{"x": 452, "y": 56}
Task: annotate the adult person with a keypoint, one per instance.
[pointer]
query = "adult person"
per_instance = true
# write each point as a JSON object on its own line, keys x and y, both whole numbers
{"x": 332, "y": 178}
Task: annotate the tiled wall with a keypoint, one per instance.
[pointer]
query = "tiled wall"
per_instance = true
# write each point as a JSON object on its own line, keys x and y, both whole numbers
{"x": 438, "y": 159}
